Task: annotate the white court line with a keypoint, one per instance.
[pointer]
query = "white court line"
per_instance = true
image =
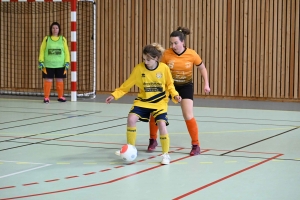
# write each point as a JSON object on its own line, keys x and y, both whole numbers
{"x": 25, "y": 171}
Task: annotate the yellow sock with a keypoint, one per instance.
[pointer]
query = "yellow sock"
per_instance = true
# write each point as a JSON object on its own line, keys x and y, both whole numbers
{"x": 165, "y": 143}
{"x": 131, "y": 135}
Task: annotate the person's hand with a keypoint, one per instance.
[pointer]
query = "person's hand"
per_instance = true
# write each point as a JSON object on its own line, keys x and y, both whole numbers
{"x": 178, "y": 98}
{"x": 206, "y": 89}
{"x": 41, "y": 65}
{"x": 109, "y": 99}
{"x": 67, "y": 66}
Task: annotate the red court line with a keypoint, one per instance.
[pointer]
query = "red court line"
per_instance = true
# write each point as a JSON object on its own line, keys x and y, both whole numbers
{"x": 118, "y": 166}
{"x": 90, "y": 173}
{"x": 104, "y": 170}
{"x": 151, "y": 157}
{"x": 226, "y": 177}
{"x": 52, "y": 180}
{"x": 27, "y": 184}
{"x": 71, "y": 177}
{"x": 97, "y": 184}
{"x": 130, "y": 163}
{"x": 7, "y": 187}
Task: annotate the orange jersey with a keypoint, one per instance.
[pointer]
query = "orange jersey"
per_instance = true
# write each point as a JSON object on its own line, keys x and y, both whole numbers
{"x": 181, "y": 66}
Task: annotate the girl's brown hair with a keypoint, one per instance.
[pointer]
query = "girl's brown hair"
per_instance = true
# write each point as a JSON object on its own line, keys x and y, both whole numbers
{"x": 153, "y": 50}
{"x": 181, "y": 32}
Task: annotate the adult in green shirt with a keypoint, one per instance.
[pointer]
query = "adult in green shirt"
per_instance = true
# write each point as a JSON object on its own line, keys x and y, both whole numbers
{"x": 54, "y": 61}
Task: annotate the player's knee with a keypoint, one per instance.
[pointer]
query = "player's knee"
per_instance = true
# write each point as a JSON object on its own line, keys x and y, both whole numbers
{"x": 131, "y": 120}
{"x": 48, "y": 79}
{"x": 188, "y": 115}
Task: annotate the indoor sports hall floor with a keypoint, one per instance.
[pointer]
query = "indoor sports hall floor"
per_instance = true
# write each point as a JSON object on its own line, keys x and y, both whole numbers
{"x": 250, "y": 151}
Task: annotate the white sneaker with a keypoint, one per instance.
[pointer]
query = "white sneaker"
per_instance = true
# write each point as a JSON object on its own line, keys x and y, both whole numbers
{"x": 118, "y": 153}
{"x": 166, "y": 159}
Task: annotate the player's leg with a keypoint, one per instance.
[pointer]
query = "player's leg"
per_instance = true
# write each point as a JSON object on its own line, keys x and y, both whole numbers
{"x": 191, "y": 124}
{"x": 162, "y": 122}
{"x": 136, "y": 113}
{"x": 59, "y": 75}
{"x": 48, "y": 75}
{"x": 186, "y": 92}
{"x": 153, "y": 134}
{"x": 131, "y": 128}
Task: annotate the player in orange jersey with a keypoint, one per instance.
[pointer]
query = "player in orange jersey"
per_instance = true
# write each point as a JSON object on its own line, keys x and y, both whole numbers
{"x": 181, "y": 61}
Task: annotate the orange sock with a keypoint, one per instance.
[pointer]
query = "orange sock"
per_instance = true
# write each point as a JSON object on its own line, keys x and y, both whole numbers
{"x": 193, "y": 130}
{"x": 47, "y": 88}
{"x": 60, "y": 89}
{"x": 153, "y": 128}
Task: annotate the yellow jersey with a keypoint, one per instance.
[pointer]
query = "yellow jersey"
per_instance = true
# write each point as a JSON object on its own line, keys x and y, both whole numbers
{"x": 155, "y": 86}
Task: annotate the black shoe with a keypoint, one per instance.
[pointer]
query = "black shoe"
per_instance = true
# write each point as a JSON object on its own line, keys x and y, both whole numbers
{"x": 46, "y": 100}
{"x": 62, "y": 99}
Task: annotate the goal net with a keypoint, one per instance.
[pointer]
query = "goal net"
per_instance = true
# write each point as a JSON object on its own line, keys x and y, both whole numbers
{"x": 24, "y": 24}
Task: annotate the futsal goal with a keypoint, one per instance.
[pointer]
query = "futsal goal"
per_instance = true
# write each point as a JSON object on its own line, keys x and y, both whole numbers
{"x": 24, "y": 24}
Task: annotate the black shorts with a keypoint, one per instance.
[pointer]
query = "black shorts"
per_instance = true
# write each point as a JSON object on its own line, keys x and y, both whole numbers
{"x": 144, "y": 114}
{"x": 186, "y": 91}
{"x": 55, "y": 73}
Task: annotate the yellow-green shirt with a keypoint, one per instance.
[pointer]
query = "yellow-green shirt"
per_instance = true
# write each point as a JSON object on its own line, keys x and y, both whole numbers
{"x": 54, "y": 38}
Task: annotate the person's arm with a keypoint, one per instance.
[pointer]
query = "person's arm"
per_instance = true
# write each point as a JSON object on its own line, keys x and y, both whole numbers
{"x": 42, "y": 50}
{"x": 203, "y": 72}
{"x": 125, "y": 87}
{"x": 199, "y": 63}
{"x": 67, "y": 52}
{"x": 170, "y": 86}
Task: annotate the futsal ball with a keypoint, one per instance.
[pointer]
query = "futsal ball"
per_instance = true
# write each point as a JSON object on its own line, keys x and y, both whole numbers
{"x": 128, "y": 152}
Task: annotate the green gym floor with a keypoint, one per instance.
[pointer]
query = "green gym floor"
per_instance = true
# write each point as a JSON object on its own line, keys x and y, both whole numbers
{"x": 250, "y": 150}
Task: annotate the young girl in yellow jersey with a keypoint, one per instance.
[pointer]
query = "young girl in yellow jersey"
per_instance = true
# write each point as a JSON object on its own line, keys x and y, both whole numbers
{"x": 155, "y": 82}
{"x": 181, "y": 61}
{"x": 54, "y": 60}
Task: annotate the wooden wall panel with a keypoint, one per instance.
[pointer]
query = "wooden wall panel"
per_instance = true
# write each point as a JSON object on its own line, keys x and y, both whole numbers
{"x": 297, "y": 52}
{"x": 250, "y": 47}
